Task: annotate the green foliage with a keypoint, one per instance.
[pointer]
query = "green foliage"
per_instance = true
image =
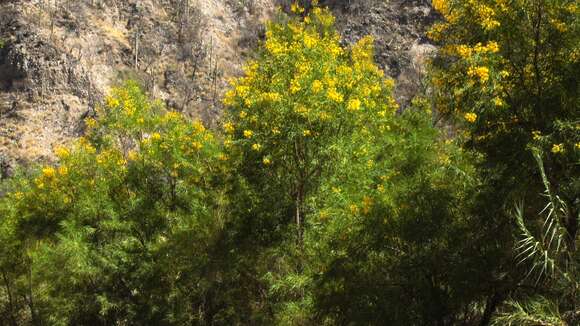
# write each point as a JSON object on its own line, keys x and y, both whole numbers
{"x": 509, "y": 71}
{"x": 292, "y": 112}
{"x": 552, "y": 258}
{"x": 96, "y": 230}
{"x": 319, "y": 204}
{"x": 538, "y": 311}
{"x": 354, "y": 206}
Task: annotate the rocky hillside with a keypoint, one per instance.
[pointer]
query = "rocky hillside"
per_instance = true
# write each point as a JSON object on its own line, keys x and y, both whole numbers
{"x": 58, "y": 58}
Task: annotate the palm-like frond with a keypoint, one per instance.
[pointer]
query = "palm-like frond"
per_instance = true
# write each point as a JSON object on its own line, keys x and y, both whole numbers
{"x": 544, "y": 251}
{"x": 537, "y": 311}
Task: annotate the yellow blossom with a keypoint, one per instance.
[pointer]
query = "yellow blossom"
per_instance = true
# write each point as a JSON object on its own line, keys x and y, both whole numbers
{"x": 156, "y": 136}
{"x": 132, "y": 155}
{"x": 310, "y": 41}
{"x": 112, "y": 102}
{"x": 229, "y": 98}
{"x": 480, "y": 72}
{"x": 295, "y": 86}
{"x": 257, "y": 147}
{"x": 536, "y": 135}
{"x": 62, "y": 152}
{"x": 463, "y": 51}
{"x": 470, "y": 117}
{"x": 557, "y": 148}
{"x": 248, "y": 133}
{"x": 243, "y": 114}
{"x": 63, "y": 170}
{"x": 196, "y": 145}
{"x": 296, "y": 8}
{"x": 354, "y": 105}
{"x": 353, "y": 209}
{"x": 198, "y": 126}
{"x": 272, "y": 97}
{"x": 229, "y": 127}
{"x": 306, "y": 133}
{"x": 243, "y": 91}
{"x": 266, "y": 161}
{"x": 493, "y": 47}
{"x": 48, "y": 172}
{"x": 324, "y": 116}
{"x": 498, "y": 102}
{"x": 317, "y": 86}
{"x": 90, "y": 122}
{"x": 334, "y": 95}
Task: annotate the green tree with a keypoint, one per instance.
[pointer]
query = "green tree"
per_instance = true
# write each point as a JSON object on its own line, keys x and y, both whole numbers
{"x": 508, "y": 74}
{"x": 352, "y": 207}
{"x": 120, "y": 230}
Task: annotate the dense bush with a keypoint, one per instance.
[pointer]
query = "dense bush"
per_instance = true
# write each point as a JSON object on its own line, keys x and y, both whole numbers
{"x": 508, "y": 71}
{"x": 119, "y": 229}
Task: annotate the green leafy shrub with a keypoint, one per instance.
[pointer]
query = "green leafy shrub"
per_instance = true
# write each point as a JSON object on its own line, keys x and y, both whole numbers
{"x": 119, "y": 229}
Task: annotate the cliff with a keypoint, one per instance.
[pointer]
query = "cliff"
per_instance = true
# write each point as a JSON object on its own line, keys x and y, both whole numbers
{"x": 58, "y": 59}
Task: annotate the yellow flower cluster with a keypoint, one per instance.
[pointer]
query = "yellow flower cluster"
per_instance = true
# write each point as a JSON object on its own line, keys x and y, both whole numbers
{"x": 465, "y": 51}
{"x": 62, "y": 152}
{"x": 363, "y": 50}
{"x": 90, "y": 122}
{"x": 482, "y": 73}
{"x": 485, "y": 14}
{"x": 367, "y": 204}
{"x": 470, "y": 117}
{"x": 63, "y": 170}
{"x": 317, "y": 86}
{"x": 296, "y": 8}
{"x": 295, "y": 86}
{"x": 558, "y": 148}
{"x": 498, "y": 102}
{"x": 354, "y": 105}
{"x": 271, "y": 97}
{"x": 229, "y": 127}
{"x": 48, "y": 172}
{"x": 275, "y": 47}
{"x": 441, "y": 6}
{"x": 156, "y": 136}
{"x": 334, "y": 95}
{"x": 112, "y": 102}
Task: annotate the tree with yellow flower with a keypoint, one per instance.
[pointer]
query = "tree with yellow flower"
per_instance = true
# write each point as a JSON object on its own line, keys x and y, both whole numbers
{"x": 334, "y": 163}
{"x": 95, "y": 230}
{"x": 298, "y": 101}
{"x": 509, "y": 71}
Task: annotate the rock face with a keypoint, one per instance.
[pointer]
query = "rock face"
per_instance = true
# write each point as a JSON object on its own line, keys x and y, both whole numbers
{"x": 59, "y": 58}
